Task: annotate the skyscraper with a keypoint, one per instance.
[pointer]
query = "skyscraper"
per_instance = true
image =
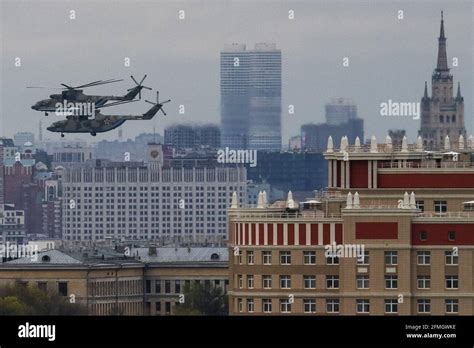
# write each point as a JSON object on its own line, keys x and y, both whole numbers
{"x": 251, "y": 97}
{"x": 443, "y": 114}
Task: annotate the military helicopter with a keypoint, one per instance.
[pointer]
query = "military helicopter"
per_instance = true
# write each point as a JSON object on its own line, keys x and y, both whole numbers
{"x": 75, "y": 95}
{"x": 103, "y": 123}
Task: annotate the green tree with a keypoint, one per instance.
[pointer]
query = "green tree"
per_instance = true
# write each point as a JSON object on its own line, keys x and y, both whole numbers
{"x": 203, "y": 300}
{"x": 19, "y": 299}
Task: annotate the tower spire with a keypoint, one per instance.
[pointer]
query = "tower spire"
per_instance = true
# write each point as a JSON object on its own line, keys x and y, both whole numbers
{"x": 458, "y": 95}
{"x": 425, "y": 96}
{"x": 442, "y": 57}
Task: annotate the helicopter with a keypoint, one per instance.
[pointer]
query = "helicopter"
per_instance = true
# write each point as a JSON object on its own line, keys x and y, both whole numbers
{"x": 103, "y": 123}
{"x": 76, "y": 95}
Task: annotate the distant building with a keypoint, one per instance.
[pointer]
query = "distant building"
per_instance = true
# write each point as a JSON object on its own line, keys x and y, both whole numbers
{"x": 251, "y": 97}
{"x": 128, "y": 150}
{"x": 12, "y": 225}
{"x": 294, "y": 144}
{"x": 442, "y": 114}
{"x": 397, "y": 136}
{"x": 193, "y": 136}
{"x": 148, "y": 201}
{"x": 298, "y": 172}
{"x": 21, "y": 138}
{"x": 340, "y": 111}
{"x": 253, "y": 189}
{"x": 70, "y": 154}
{"x": 341, "y": 120}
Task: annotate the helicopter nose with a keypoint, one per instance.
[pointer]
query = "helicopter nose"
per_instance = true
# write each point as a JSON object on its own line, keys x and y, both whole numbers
{"x": 35, "y": 107}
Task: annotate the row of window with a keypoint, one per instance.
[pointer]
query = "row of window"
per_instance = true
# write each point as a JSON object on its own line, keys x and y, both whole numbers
{"x": 333, "y": 305}
{"x": 332, "y": 282}
{"x": 309, "y": 258}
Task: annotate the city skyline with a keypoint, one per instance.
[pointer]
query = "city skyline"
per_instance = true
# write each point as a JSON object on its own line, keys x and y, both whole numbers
{"x": 188, "y": 72}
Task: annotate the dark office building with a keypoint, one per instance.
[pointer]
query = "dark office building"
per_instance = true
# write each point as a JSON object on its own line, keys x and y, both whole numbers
{"x": 296, "y": 171}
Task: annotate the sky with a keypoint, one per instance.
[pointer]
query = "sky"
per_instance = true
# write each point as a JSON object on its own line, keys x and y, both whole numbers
{"x": 389, "y": 58}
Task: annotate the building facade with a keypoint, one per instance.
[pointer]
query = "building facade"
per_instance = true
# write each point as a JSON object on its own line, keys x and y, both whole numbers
{"x": 134, "y": 200}
{"x": 251, "y": 97}
{"x": 191, "y": 137}
{"x": 442, "y": 114}
{"x": 402, "y": 253}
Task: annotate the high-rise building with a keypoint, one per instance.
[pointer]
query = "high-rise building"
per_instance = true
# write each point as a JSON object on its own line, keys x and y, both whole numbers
{"x": 340, "y": 111}
{"x": 442, "y": 114}
{"x": 21, "y": 138}
{"x": 251, "y": 97}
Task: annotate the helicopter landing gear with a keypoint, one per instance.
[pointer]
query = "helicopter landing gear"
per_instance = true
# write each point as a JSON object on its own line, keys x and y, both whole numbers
{"x": 62, "y": 135}
{"x": 46, "y": 114}
{"x": 93, "y": 134}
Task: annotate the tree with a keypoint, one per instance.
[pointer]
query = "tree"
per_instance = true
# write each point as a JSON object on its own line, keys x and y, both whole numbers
{"x": 19, "y": 299}
{"x": 203, "y": 300}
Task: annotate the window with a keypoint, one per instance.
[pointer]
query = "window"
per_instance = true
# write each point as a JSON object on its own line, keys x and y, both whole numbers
{"x": 451, "y": 236}
{"x": 42, "y": 286}
{"x": 362, "y": 282}
{"x": 267, "y": 257}
{"x": 391, "y": 258}
{"x": 267, "y": 281}
{"x": 62, "y": 288}
{"x": 420, "y": 205}
{"x": 332, "y": 305}
{"x": 332, "y": 282}
{"x": 148, "y": 286}
{"x": 267, "y": 305}
{"x": 391, "y": 282}
{"x": 391, "y": 306}
{"x": 441, "y": 118}
{"x": 363, "y": 259}
{"x": 250, "y": 281}
{"x": 158, "y": 307}
{"x": 332, "y": 260}
{"x": 285, "y": 306}
{"x": 451, "y": 258}
{"x": 423, "y": 236}
{"x": 250, "y": 257}
{"x": 424, "y": 282}
{"x": 240, "y": 281}
{"x": 309, "y": 282}
{"x": 452, "y": 305}
{"x": 424, "y": 305}
{"x": 250, "y": 305}
{"x": 309, "y": 305}
{"x": 309, "y": 257}
{"x": 240, "y": 305}
{"x": 424, "y": 258}
{"x": 158, "y": 286}
{"x": 285, "y": 282}
{"x": 452, "y": 282}
{"x": 285, "y": 257}
{"x": 167, "y": 287}
{"x": 363, "y": 306}
{"x": 440, "y": 206}
{"x": 167, "y": 307}
{"x": 177, "y": 286}
{"x": 240, "y": 257}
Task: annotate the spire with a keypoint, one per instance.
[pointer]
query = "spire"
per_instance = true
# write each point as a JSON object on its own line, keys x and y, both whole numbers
{"x": 425, "y": 96}
{"x": 458, "y": 95}
{"x": 442, "y": 57}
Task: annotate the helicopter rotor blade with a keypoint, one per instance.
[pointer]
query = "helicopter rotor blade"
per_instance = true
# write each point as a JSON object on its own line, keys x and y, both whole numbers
{"x": 44, "y": 87}
{"x": 134, "y": 80}
{"x": 143, "y": 79}
{"x": 163, "y": 111}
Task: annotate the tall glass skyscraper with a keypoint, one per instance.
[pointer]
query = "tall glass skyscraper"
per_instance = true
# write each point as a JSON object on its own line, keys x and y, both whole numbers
{"x": 251, "y": 97}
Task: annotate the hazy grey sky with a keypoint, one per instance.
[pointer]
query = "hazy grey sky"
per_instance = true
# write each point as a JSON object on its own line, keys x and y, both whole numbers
{"x": 389, "y": 58}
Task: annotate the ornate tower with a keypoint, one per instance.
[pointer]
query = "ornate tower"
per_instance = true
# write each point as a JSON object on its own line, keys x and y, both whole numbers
{"x": 442, "y": 114}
